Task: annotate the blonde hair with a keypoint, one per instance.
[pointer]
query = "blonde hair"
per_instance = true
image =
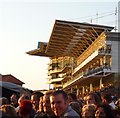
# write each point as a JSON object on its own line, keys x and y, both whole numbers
{"x": 89, "y": 107}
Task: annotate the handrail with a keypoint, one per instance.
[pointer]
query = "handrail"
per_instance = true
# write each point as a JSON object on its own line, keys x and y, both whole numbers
{"x": 87, "y": 73}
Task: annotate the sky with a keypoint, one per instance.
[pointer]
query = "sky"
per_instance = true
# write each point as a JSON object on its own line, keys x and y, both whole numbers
{"x": 23, "y": 23}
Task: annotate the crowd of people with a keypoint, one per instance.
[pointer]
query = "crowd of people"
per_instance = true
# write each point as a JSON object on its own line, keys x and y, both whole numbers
{"x": 59, "y": 104}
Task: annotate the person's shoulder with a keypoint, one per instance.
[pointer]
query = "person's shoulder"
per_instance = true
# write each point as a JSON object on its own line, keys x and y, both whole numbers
{"x": 71, "y": 113}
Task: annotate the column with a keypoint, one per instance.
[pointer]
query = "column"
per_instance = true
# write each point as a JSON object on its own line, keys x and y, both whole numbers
{"x": 91, "y": 87}
{"x": 71, "y": 90}
{"x": 100, "y": 83}
{"x": 77, "y": 90}
{"x": 83, "y": 89}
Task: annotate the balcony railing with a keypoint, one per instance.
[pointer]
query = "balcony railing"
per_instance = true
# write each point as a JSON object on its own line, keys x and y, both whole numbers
{"x": 55, "y": 70}
{"x": 61, "y": 68}
{"x": 88, "y": 73}
{"x": 91, "y": 57}
{"x": 106, "y": 50}
{"x": 97, "y": 70}
{"x": 66, "y": 76}
{"x": 73, "y": 79}
{"x": 55, "y": 80}
{"x": 102, "y": 51}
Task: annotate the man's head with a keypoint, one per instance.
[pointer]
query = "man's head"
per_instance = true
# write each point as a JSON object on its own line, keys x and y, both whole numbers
{"x": 3, "y": 100}
{"x": 35, "y": 97}
{"x": 46, "y": 103}
{"x": 14, "y": 99}
{"x": 88, "y": 111}
{"x": 25, "y": 107}
{"x": 72, "y": 97}
{"x": 59, "y": 102}
{"x": 22, "y": 98}
{"x": 106, "y": 98}
{"x": 93, "y": 98}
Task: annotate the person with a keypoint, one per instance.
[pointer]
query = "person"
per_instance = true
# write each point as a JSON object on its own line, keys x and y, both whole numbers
{"x": 35, "y": 97}
{"x": 25, "y": 109}
{"x": 21, "y": 99}
{"x": 72, "y": 97}
{"x": 9, "y": 110}
{"x": 45, "y": 110}
{"x": 3, "y": 100}
{"x": 76, "y": 106}
{"x": 88, "y": 111}
{"x": 14, "y": 100}
{"x": 60, "y": 105}
{"x": 104, "y": 111}
{"x": 3, "y": 114}
{"x": 107, "y": 99}
{"x": 117, "y": 109}
{"x": 41, "y": 109}
{"x": 93, "y": 98}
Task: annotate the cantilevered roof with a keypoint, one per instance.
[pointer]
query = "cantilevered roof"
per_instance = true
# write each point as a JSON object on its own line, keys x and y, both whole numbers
{"x": 70, "y": 38}
{"x": 40, "y": 51}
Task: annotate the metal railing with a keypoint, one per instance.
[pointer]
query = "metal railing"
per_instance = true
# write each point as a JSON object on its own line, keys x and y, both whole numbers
{"x": 88, "y": 73}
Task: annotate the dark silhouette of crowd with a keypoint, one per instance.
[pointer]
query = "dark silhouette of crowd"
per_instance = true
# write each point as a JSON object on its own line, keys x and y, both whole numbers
{"x": 59, "y": 104}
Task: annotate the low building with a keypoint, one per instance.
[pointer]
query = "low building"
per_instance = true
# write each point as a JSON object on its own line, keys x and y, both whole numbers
{"x": 10, "y": 84}
{"x": 10, "y": 78}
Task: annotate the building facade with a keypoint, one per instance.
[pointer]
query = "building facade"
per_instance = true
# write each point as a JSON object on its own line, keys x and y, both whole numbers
{"x": 83, "y": 57}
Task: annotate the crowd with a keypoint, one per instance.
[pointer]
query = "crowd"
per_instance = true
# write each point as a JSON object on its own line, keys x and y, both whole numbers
{"x": 59, "y": 104}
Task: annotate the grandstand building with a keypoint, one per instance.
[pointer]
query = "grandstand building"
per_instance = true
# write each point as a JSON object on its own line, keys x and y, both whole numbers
{"x": 83, "y": 57}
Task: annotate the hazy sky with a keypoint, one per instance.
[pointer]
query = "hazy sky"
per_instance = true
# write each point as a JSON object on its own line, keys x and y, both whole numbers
{"x": 25, "y": 22}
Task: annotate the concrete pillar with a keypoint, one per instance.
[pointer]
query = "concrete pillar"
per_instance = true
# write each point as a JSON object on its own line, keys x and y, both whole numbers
{"x": 101, "y": 61}
{"x": 91, "y": 87}
{"x": 77, "y": 91}
{"x": 71, "y": 90}
{"x": 100, "y": 83}
{"x": 83, "y": 89}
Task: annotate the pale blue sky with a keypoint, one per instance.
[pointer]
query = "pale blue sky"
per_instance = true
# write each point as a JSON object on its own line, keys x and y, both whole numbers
{"x": 24, "y": 23}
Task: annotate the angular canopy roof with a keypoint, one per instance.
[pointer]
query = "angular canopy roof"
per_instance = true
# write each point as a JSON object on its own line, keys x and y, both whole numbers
{"x": 70, "y": 39}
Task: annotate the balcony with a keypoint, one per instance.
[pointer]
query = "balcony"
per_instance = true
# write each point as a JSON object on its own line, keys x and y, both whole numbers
{"x": 56, "y": 70}
{"x": 66, "y": 67}
{"x": 61, "y": 68}
{"x": 91, "y": 57}
{"x": 105, "y": 51}
{"x": 73, "y": 79}
{"x": 98, "y": 53}
{"x": 102, "y": 70}
{"x": 66, "y": 76}
{"x": 53, "y": 65}
{"x": 57, "y": 86}
{"x": 97, "y": 71}
{"x": 56, "y": 80}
